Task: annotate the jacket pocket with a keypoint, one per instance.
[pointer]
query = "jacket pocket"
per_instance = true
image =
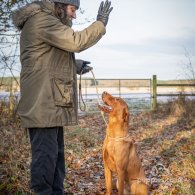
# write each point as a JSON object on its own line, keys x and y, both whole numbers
{"x": 63, "y": 92}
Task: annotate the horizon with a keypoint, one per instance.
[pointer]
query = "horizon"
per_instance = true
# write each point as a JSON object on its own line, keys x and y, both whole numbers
{"x": 91, "y": 78}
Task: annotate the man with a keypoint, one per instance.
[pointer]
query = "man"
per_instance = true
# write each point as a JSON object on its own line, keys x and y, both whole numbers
{"x": 48, "y": 81}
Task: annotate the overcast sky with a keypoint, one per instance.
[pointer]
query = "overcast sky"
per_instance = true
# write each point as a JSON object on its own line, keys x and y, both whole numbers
{"x": 144, "y": 37}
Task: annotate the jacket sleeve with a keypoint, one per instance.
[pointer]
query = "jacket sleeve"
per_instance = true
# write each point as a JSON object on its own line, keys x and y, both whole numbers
{"x": 65, "y": 38}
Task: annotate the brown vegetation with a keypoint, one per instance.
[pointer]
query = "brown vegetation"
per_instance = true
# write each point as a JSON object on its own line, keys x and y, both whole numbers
{"x": 165, "y": 141}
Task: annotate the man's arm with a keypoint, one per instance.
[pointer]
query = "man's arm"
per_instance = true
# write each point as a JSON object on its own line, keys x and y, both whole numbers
{"x": 63, "y": 37}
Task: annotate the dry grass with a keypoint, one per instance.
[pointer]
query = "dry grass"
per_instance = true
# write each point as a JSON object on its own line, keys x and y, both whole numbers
{"x": 14, "y": 155}
{"x": 165, "y": 137}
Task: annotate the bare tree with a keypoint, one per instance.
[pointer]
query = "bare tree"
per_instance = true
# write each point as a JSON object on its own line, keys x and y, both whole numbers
{"x": 9, "y": 40}
{"x": 188, "y": 66}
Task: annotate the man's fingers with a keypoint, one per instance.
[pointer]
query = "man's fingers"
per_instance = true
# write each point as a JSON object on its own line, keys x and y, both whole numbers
{"x": 88, "y": 68}
{"x": 87, "y": 62}
{"x": 101, "y": 7}
{"x": 107, "y": 6}
{"x": 104, "y": 11}
{"x": 110, "y": 10}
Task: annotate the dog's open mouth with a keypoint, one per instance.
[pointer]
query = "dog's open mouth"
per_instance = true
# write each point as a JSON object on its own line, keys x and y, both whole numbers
{"x": 104, "y": 106}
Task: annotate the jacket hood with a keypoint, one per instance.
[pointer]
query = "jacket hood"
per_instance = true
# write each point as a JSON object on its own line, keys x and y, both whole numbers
{"x": 21, "y": 15}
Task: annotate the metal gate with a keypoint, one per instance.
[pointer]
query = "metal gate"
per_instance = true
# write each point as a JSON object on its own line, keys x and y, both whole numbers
{"x": 136, "y": 92}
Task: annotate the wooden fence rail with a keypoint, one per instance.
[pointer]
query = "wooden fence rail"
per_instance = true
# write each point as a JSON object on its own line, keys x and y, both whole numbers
{"x": 155, "y": 85}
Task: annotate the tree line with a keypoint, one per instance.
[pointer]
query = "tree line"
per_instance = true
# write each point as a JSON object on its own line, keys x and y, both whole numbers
{"x": 9, "y": 40}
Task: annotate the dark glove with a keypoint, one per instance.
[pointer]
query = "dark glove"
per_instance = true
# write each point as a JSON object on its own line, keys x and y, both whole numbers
{"x": 104, "y": 12}
{"x": 82, "y": 66}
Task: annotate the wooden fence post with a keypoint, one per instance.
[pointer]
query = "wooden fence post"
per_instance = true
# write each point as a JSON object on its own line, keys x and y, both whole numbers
{"x": 119, "y": 88}
{"x": 11, "y": 98}
{"x": 154, "y": 92}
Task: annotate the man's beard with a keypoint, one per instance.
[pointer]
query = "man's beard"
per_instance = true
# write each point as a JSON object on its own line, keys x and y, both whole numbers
{"x": 65, "y": 19}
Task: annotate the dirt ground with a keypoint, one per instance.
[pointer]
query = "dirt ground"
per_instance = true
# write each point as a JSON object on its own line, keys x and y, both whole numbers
{"x": 165, "y": 144}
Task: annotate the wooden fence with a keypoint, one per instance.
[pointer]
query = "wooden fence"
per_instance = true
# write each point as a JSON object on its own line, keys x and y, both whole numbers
{"x": 125, "y": 88}
{"x": 155, "y": 86}
{"x": 136, "y": 92}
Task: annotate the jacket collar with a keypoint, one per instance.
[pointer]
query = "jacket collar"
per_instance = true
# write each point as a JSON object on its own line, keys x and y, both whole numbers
{"x": 21, "y": 15}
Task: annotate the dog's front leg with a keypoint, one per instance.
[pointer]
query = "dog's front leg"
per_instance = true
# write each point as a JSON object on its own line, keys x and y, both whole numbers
{"x": 121, "y": 182}
{"x": 108, "y": 179}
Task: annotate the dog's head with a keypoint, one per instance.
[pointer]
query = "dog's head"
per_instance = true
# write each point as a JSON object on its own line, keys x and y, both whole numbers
{"x": 115, "y": 107}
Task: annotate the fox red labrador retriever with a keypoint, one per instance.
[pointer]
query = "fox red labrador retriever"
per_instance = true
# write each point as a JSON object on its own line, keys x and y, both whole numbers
{"x": 119, "y": 151}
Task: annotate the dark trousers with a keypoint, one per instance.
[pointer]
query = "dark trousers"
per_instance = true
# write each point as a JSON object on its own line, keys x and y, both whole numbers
{"x": 47, "y": 166}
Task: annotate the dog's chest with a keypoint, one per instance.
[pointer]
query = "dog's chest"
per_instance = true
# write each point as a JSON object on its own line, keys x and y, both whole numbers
{"x": 108, "y": 155}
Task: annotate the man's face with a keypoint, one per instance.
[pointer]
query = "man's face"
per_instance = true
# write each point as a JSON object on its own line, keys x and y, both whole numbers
{"x": 69, "y": 14}
{"x": 70, "y": 11}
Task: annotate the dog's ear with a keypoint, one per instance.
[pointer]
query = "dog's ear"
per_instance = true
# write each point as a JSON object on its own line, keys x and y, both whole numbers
{"x": 125, "y": 114}
{"x": 105, "y": 109}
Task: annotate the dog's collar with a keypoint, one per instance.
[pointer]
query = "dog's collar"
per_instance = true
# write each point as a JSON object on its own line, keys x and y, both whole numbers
{"x": 119, "y": 139}
{"x": 139, "y": 180}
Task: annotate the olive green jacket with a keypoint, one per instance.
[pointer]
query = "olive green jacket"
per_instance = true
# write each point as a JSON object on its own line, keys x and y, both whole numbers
{"x": 48, "y": 76}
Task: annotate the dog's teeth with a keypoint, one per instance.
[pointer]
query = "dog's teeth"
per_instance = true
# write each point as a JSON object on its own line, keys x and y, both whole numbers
{"x": 102, "y": 104}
